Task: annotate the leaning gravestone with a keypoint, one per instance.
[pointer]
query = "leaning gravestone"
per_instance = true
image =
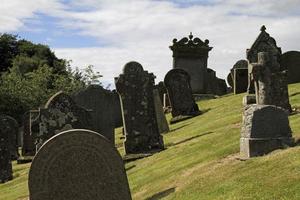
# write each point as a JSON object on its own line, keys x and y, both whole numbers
{"x": 290, "y": 61}
{"x": 135, "y": 87}
{"x": 163, "y": 126}
{"x": 61, "y": 113}
{"x": 5, "y": 156}
{"x": 12, "y": 128}
{"x": 179, "y": 89}
{"x": 100, "y": 103}
{"x": 78, "y": 164}
{"x": 265, "y": 128}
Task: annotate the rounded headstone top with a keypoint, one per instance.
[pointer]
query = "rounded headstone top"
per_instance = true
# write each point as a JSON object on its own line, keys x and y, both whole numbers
{"x": 132, "y": 67}
{"x": 78, "y": 164}
{"x": 176, "y": 72}
{"x": 59, "y": 98}
{"x": 240, "y": 64}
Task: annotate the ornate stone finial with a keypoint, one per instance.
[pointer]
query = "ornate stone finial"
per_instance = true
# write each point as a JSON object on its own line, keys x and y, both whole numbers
{"x": 263, "y": 28}
{"x": 191, "y": 36}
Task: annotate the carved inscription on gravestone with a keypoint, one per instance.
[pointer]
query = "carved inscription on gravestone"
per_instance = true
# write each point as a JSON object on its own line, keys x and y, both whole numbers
{"x": 79, "y": 165}
{"x": 135, "y": 87}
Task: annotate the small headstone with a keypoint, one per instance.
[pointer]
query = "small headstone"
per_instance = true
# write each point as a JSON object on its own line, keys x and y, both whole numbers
{"x": 161, "y": 90}
{"x": 221, "y": 87}
{"x": 290, "y": 61}
{"x": 212, "y": 83}
{"x": 30, "y": 131}
{"x": 100, "y": 103}
{"x": 5, "y": 155}
{"x": 265, "y": 128}
{"x": 179, "y": 89}
{"x": 162, "y": 123}
{"x": 167, "y": 105}
{"x": 79, "y": 165}
{"x": 239, "y": 75}
{"x": 135, "y": 87}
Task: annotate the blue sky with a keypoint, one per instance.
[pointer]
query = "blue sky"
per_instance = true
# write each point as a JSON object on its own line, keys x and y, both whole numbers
{"x": 110, "y": 33}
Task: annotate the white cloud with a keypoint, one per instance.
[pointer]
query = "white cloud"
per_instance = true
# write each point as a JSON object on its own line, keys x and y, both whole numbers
{"x": 142, "y": 30}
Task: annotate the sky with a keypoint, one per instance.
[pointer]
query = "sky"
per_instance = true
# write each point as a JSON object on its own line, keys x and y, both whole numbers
{"x": 109, "y": 33}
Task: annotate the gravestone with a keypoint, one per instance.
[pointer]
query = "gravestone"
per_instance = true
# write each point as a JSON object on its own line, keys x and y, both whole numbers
{"x": 12, "y": 128}
{"x": 30, "y": 132}
{"x": 177, "y": 82}
{"x": 212, "y": 83}
{"x": 162, "y": 123}
{"x": 61, "y": 113}
{"x": 161, "y": 90}
{"x": 221, "y": 87}
{"x": 5, "y": 152}
{"x": 100, "y": 103}
{"x": 79, "y": 165}
{"x": 117, "y": 110}
{"x": 265, "y": 128}
{"x": 270, "y": 82}
{"x": 135, "y": 87}
{"x": 239, "y": 75}
{"x": 290, "y": 61}
{"x": 167, "y": 105}
{"x": 191, "y": 54}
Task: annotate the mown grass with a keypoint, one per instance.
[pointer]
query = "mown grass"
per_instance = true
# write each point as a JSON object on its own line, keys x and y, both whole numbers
{"x": 200, "y": 161}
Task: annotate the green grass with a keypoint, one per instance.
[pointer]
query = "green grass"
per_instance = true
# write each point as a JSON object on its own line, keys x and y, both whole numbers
{"x": 200, "y": 161}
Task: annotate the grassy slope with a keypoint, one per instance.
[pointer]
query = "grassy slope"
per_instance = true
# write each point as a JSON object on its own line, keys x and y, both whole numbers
{"x": 200, "y": 161}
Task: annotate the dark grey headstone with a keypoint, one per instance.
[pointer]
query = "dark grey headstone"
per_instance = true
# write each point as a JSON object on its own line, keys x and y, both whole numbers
{"x": 78, "y": 165}
{"x": 5, "y": 154}
{"x": 12, "y": 128}
{"x": 135, "y": 87}
{"x": 177, "y": 82}
{"x": 30, "y": 132}
{"x": 290, "y": 61}
{"x": 265, "y": 128}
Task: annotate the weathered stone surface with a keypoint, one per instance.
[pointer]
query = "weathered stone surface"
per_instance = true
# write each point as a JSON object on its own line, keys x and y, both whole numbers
{"x": 191, "y": 54}
{"x": 179, "y": 89}
{"x": 240, "y": 82}
{"x": 161, "y": 90}
{"x": 135, "y": 87}
{"x": 117, "y": 110}
{"x": 61, "y": 113}
{"x": 10, "y": 125}
{"x": 78, "y": 165}
{"x": 5, "y": 154}
{"x": 270, "y": 82}
{"x": 100, "y": 104}
{"x": 212, "y": 82}
{"x": 221, "y": 87}
{"x": 162, "y": 123}
{"x": 290, "y": 61}
{"x": 30, "y": 132}
{"x": 265, "y": 128}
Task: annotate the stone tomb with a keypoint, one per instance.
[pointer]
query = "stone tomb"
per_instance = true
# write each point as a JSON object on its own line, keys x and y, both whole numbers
{"x": 179, "y": 89}
{"x": 5, "y": 154}
{"x": 100, "y": 103}
{"x": 78, "y": 165}
{"x": 290, "y": 61}
{"x": 162, "y": 123}
{"x": 265, "y": 128}
{"x": 61, "y": 113}
{"x": 135, "y": 87}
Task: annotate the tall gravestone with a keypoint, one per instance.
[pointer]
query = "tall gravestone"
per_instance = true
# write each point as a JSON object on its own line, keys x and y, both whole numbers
{"x": 61, "y": 113}
{"x": 5, "y": 153}
{"x": 79, "y": 165}
{"x": 212, "y": 82}
{"x": 265, "y": 128}
{"x": 191, "y": 54}
{"x": 162, "y": 123}
{"x": 290, "y": 61}
{"x": 100, "y": 104}
{"x": 135, "y": 87}
{"x": 270, "y": 82}
{"x": 179, "y": 89}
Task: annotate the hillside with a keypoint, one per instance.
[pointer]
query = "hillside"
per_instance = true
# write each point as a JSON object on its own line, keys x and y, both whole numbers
{"x": 201, "y": 161}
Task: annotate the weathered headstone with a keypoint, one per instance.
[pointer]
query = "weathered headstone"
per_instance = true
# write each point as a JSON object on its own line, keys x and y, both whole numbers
{"x": 5, "y": 154}
{"x": 191, "y": 54}
{"x": 61, "y": 113}
{"x": 221, "y": 87}
{"x": 100, "y": 103}
{"x": 162, "y": 123}
{"x": 135, "y": 87}
{"x": 290, "y": 61}
{"x": 238, "y": 77}
{"x": 79, "y": 165}
{"x": 265, "y": 128}
{"x": 179, "y": 89}
{"x": 30, "y": 131}
{"x": 161, "y": 90}
{"x": 12, "y": 128}
{"x": 212, "y": 82}
{"x": 270, "y": 82}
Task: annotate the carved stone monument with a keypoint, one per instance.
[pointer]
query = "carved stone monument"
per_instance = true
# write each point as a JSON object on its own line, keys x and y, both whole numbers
{"x": 5, "y": 154}
{"x": 135, "y": 87}
{"x": 79, "y": 165}
{"x": 100, "y": 104}
{"x": 179, "y": 89}
{"x": 265, "y": 128}
{"x": 290, "y": 61}
{"x": 270, "y": 82}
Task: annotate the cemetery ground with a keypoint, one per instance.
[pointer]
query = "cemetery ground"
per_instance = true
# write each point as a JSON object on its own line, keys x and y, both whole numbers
{"x": 201, "y": 161}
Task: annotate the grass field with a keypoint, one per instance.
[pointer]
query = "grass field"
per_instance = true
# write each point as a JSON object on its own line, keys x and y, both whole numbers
{"x": 200, "y": 161}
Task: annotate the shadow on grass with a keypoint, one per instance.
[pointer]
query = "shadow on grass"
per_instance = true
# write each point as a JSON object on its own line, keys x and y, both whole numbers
{"x": 294, "y": 94}
{"x": 189, "y": 139}
{"x": 131, "y": 167}
{"x": 162, "y": 194}
{"x": 180, "y": 127}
